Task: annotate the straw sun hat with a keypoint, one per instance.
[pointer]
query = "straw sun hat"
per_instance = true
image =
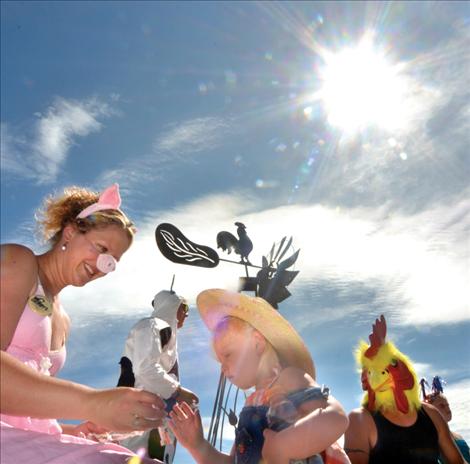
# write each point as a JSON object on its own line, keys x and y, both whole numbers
{"x": 215, "y": 304}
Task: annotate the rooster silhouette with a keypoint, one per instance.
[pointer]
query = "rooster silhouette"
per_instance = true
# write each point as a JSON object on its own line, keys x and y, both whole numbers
{"x": 241, "y": 246}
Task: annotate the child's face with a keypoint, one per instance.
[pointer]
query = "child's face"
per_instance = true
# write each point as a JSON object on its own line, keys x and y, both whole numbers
{"x": 236, "y": 353}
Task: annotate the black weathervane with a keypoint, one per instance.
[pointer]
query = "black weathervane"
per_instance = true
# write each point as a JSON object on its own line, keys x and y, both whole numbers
{"x": 270, "y": 283}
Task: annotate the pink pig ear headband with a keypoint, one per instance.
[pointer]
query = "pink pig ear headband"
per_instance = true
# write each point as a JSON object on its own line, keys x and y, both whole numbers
{"x": 109, "y": 199}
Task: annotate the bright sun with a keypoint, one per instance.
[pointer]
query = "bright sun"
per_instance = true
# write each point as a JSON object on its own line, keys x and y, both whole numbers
{"x": 361, "y": 89}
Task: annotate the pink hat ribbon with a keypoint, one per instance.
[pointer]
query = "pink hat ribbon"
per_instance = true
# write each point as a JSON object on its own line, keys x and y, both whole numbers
{"x": 109, "y": 199}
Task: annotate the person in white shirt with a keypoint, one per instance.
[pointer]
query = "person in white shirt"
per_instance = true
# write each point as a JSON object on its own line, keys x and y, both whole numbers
{"x": 150, "y": 362}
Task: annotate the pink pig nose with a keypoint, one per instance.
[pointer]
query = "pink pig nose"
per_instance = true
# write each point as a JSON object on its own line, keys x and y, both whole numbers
{"x": 105, "y": 263}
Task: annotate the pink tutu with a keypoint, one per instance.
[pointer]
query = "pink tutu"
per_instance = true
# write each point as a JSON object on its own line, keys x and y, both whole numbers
{"x": 27, "y": 446}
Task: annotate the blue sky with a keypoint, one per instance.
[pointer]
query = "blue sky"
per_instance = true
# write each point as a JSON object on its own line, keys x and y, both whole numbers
{"x": 343, "y": 124}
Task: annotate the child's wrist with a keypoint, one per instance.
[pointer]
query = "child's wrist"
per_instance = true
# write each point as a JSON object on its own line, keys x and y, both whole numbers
{"x": 200, "y": 449}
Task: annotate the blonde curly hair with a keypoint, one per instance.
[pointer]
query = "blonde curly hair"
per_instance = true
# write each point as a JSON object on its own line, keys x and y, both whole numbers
{"x": 60, "y": 210}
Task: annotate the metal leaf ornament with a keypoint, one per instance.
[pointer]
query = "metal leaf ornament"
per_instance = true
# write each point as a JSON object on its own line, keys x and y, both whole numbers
{"x": 274, "y": 277}
{"x": 179, "y": 249}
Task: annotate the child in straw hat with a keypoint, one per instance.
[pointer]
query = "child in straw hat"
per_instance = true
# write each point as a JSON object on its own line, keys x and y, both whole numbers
{"x": 288, "y": 418}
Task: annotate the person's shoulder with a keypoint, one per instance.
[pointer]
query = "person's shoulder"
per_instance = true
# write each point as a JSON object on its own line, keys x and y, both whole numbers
{"x": 149, "y": 325}
{"x": 14, "y": 251}
{"x": 360, "y": 416}
{"x": 18, "y": 257}
{"x": 434, "y": 415}
{"x": 361, "y": 434}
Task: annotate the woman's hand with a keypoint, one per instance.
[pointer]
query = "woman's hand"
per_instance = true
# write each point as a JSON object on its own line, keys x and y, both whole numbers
{"x": 186, "y": 424}
{"x": 125, "y": 409}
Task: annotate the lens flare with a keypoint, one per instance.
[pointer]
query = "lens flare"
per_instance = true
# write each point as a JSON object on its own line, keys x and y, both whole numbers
{"x": 361, "y": 88}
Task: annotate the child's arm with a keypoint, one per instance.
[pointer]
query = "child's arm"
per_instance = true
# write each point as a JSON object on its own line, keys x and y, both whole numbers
{"x": 322, "y": 422}
{"x": 187, "y": 427}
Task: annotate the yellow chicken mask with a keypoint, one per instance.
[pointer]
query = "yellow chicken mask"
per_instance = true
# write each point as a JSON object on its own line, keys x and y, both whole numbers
{"x": 387, "y": 375}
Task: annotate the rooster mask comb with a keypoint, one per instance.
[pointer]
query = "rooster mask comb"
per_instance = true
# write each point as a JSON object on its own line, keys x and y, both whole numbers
{"x": 387, "y": 375}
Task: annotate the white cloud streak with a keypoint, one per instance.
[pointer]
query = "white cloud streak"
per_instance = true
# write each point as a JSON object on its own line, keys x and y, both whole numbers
{"x": 41, "y": 155}
{"x": 176, "y": 145}
{"x": 192, "y": 136}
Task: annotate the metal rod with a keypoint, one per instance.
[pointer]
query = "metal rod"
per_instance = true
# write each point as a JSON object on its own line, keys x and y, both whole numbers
{"x": 245, "y": 264}
{"x": 209, "y": 435}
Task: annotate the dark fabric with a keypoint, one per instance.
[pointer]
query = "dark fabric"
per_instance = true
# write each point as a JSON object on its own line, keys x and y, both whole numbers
{"x": 249, "y": 437}
{"x": 417, "y": 444}
{"x": 165, "y": 336}
{"x": 126, "y": 379}
{"x": 175, "y": 370}
{"x": 463, "y": 447}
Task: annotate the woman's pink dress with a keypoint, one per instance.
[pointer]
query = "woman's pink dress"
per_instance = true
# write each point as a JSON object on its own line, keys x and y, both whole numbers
{"x": 41, "y": 441}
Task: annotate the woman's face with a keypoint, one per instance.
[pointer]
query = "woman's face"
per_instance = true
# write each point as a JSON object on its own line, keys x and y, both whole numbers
{"x": 83, "y": 250}
{"x": 237, "y": 355}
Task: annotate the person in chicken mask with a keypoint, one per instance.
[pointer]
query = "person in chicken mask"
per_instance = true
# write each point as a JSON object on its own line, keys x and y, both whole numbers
{"x": 150, "y": 362}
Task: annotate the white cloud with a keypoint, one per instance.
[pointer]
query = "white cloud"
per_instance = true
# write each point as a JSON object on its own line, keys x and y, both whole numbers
{"x": 191, "y": 136}
{"x": 228, "y": 432}
{"x": 177, "y": 145}
{"x": 458, "y": 395}
{"x": 41, "y": 155}
{"x": 417, "y": 265}
{"x": 11, "y": 147}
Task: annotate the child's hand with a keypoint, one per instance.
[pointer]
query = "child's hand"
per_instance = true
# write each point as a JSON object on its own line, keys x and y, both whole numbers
{"x": 186, "y": 424}
{"x": 273, "y": 451}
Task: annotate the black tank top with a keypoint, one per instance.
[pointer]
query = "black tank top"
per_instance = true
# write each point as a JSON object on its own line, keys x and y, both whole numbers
{"x": 417, "y": 444}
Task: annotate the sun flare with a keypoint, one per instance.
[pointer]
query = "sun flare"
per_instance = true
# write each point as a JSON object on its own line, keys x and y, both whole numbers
{"x": 361, "y": 88}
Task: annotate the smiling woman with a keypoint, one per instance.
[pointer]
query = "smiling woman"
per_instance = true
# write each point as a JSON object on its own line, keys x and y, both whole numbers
{"x": 89, "y": 234}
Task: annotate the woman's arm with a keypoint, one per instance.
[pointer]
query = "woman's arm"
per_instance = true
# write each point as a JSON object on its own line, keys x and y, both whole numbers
{"x": 357, "y": 436}
{"x": 25, "y": 392}
{"x": 321, "y": 424}
{"x": 447, "y": 445}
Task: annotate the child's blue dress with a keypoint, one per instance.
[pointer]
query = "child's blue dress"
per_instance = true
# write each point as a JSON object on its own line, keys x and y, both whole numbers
{"x": 254, "y": 419}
